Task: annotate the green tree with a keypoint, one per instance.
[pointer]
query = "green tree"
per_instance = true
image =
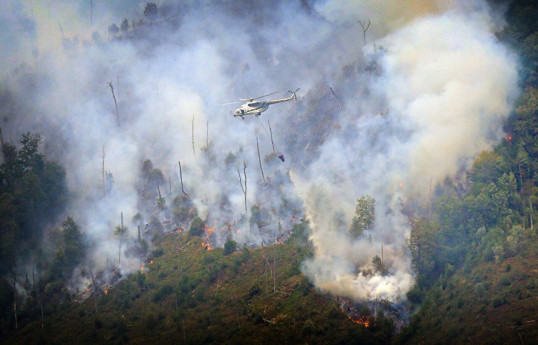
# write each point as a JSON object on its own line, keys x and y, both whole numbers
{"x": 197, "y": 227}
{"x": 364, "y": 217}
{"x": 121, "y": 232}
{"x": 229, "y": 246}
{"x": 423, "y": 246}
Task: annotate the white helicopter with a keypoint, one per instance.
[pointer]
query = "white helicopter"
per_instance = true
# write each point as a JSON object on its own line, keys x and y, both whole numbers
{"x": 255, "y": 107}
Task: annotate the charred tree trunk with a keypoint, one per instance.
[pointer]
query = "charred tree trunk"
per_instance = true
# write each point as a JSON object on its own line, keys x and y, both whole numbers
{"x": 14, "y": 286}
{"x": 161, "y": 200}
{"x": 103, "y": 172}
{"x": 271, "y": 132}
{"x": 2, "y": 143}
{"x": 336, "y": 97}
{"x": 259, "y": 159}
{"x": 119, "y": 250}
{"x": 193, "y": 152}
{"x": 365, "y": 28}
{"x": 115, "y": 102}
{"x": 531, "y": 212}
{"x": 181, "y": 179}
{"x": 243, "y": 186}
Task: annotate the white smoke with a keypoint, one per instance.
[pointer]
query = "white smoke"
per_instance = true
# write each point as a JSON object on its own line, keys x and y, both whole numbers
{"x": 426, "y": 93}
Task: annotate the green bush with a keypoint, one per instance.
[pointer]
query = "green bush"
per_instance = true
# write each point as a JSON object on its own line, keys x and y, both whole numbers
{"x": 229, "y": 247}
{"x": 197, "y": 227}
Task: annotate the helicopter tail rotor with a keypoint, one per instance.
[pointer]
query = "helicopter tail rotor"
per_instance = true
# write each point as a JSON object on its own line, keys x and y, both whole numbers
{"x": 294, "y": 93}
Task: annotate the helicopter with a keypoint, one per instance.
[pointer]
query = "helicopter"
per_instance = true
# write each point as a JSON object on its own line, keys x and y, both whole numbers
{"x": 255, "y": 107}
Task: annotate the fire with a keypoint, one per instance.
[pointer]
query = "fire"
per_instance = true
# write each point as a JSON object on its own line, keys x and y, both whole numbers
{"x": 141, "y": 268}
{"x": 363, "y": 320}
{"x": 151, "y": 262}
{"x": 402, "y": 185}
{"x": 205, "y": 243}
{"x": 293, "y": 218}
{"x": 509, "y": 137}
{"x": 106, "y": 291}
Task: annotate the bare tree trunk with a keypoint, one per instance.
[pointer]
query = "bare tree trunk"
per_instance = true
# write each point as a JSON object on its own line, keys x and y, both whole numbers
{"x": 14, "y": 284}
{"x": 336, "y": 97}
{"x": 243, "y": 187}
{"x": 115, "y": 102}
{"x": 271, "y": 132}
{"x": 430, "y": 201}
{"x": 207, "y": 135}
{"x": 364, "y": 29}
{"x": 245, "y": 173}
{"x": 530, "y": 204}
{"x": 2, "y": 142}
{"x": 193, "y": 152}
{"x": 103, "y": 172}
{"x": 119, "y": 249}
{"x": 161, "y": 203}
{"x": 139, "y": 238}
{"x": 181, "y": 179}
{"x": 259, "y": 159}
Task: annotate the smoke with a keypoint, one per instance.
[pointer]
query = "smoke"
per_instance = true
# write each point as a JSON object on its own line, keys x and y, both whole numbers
{"x": 428, "y": 90}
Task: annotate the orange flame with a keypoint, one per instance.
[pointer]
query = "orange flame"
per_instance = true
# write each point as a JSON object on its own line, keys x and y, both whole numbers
{"x": 205, "y": 243}
{"x": 402, "y": 185}
{"x": 363, "y": 320}
{"x": 106, "y": 291}
{"x": 141, "y": 268}
{"x": 151, "y": 262}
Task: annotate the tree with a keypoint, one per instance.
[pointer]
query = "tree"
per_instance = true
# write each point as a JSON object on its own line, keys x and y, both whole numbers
{"x": 488, "y": 167}
{"x": 364, "y": 216}
{"x": 70, "y": 251}
{"x": 124, "y": 26}
{"x": 229, "y": 246}
{"x": 379, "y": 266}
{"x": 121, "y": 232}
{"x": 197, "y": 227}
{"x": 29, "y": 157}
{"x": 423, "y": 246}
{"x": 150, "y": 10}
{"x": 113, "y": 29}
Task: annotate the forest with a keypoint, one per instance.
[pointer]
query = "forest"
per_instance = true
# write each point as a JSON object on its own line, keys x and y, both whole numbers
{"x": 172, "y": 269}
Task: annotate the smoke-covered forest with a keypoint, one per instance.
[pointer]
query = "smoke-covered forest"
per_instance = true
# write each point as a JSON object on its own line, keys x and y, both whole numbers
{"x": 388, "y": 198}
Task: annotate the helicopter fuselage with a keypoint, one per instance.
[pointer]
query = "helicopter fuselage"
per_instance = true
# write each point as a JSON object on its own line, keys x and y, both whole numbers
{"x": 255, "y": 107}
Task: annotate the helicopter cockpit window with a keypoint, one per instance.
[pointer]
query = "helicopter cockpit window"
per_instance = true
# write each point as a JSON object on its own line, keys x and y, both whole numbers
{"x": 254, "y": 104}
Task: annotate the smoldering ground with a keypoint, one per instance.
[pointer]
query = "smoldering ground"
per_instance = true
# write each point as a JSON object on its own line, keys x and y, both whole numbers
{"x": 381, "y": 112}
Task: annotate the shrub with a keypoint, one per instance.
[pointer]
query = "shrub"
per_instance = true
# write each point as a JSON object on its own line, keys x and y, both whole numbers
{"x": 197, "y": 227}
{"x": 229, "y": 247}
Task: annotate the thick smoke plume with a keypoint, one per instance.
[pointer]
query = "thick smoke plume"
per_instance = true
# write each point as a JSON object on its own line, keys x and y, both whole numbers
{"x": 384, "y": 112}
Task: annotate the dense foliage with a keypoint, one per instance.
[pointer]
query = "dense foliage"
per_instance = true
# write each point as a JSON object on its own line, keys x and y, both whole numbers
{"x": 475, "y": 253}
{"x": 191, "y": 295}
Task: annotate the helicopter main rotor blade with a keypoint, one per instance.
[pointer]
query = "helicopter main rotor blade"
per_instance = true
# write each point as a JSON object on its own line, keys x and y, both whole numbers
{"x": 252, "y": 99}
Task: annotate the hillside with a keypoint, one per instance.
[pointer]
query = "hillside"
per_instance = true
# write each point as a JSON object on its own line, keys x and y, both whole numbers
{"x": 391, "y": 200}
{"x": 190, "y": 295}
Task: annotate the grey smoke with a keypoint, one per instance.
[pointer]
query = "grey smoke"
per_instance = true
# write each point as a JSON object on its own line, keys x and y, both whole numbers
{"x": 428, "y": 91}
